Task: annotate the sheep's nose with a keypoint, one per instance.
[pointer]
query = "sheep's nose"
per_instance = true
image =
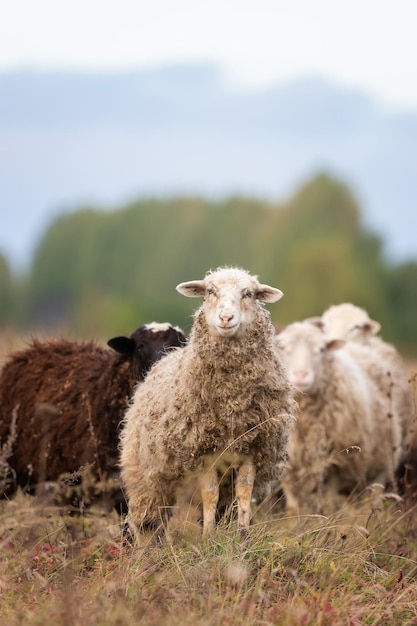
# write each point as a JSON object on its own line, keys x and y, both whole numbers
{"x": 226, "y": 317}
{"x": 300, "y": 375}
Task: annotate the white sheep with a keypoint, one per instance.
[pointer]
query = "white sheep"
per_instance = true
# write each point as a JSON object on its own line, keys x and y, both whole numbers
{"x": 344, "y": 438}
{"x": 223, "y": 398}
{"x": 352, "y": 323}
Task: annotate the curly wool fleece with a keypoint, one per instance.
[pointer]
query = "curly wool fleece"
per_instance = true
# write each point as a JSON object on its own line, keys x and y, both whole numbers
{"x": 217, "y": 395}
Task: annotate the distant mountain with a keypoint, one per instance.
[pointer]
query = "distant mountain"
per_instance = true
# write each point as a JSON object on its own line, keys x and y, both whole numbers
{"x": 70, "y": 138}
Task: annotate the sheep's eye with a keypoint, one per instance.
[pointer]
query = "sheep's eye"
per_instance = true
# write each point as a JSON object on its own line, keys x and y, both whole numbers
{"x": 211, "y": 291}
{"x": 247, "y": 294}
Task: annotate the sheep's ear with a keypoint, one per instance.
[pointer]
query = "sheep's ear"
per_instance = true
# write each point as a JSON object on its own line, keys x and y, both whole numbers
{"x": 192, "y": 288}
{"x": 265, "y": 293}
{"x": 372, "y": 327}
{"x": 335, "y": 344}
{"x": 316, "y": 321}
{"x": 122, "y": 345}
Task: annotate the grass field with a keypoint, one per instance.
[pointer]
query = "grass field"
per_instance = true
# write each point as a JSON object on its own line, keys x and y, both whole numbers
{"x": 354, "y": 566}
{"x": 357, "y": 566}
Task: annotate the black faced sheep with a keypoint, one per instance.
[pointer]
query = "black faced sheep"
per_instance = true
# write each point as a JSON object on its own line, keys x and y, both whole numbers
{"x": 61, "y": 404}
{"x": 223, "y": 399}
{"x": 345, "y": 436}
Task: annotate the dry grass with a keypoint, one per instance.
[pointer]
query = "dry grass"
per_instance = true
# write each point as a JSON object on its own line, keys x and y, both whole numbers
{"x": 357, "y": 566}
{"x": 10, "y": 341}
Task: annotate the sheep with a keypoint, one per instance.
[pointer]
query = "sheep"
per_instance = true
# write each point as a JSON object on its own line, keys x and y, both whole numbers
{"x": 62, "y": 402}
{"x": 352, "y": 323}
{"x": 223, "y": 398}
{"x": 343, "y": 438}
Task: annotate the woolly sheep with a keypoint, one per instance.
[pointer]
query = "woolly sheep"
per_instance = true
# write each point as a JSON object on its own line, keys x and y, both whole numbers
{"x": 352, "y": 323}
{"x": 61, "y": 404}
{"x": 223, "y": 397}
{"x": 341, "y": 411}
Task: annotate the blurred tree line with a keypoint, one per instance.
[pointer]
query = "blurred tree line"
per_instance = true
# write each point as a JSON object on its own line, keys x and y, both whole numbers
{"x": 99, "y": 273}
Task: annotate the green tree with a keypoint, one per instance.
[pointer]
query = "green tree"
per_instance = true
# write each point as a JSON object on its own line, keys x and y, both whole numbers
{"x": 399, "y": 321}
{"x": 6, "y": 292}
{"x": 106, "y": 272}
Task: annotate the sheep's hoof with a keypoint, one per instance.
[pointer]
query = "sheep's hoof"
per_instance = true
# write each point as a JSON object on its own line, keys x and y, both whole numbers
{"x": 244, "y": 531}
{"x": 244, "y": 537}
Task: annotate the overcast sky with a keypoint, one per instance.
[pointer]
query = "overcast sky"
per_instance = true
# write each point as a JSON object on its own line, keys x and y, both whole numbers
{"x": 369, "y": 44}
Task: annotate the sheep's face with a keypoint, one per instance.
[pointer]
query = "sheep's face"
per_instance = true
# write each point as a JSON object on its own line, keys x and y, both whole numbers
{"x": 303, "y": 347}
{"x": 158, "y": 339}
{"x": 230, "y": 299}
{"x": 149, "y": 343}
{"x": 347, "y": 321}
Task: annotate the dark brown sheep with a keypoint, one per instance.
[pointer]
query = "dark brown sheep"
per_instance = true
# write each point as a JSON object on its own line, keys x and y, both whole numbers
{"x": 61, "y": 403}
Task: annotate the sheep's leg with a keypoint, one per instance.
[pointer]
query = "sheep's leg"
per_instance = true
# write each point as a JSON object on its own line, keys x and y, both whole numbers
{"x": 209, "y": 486}
{"x": 291, "y": 502}
{"x": 244, "y": 488}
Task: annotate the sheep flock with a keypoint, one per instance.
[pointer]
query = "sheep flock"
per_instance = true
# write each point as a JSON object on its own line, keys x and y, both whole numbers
{"x": 187, "y": 429}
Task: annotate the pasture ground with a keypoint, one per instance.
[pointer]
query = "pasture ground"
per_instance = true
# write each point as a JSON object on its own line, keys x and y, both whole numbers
{"x": 356, "y": 566}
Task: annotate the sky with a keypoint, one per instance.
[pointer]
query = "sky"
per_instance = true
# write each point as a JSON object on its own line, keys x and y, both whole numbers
{"x": 364, "y": 45}
{"x": 368, "y": 44}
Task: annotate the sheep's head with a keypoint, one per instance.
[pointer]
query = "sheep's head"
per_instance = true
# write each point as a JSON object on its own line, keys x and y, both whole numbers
{"x": 350, "y": 322}
{"x": 231, "y": 298}
{"x": 304, "y": 346}
{"x": 149, "y": 343}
